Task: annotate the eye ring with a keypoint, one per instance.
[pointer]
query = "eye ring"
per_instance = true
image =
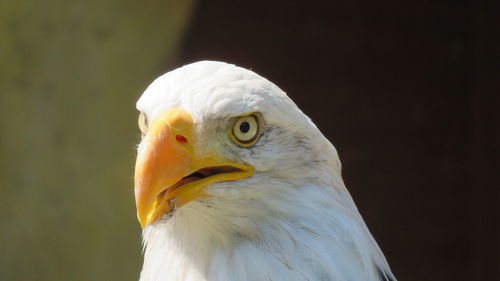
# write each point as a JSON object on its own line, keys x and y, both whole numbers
{"x": 143, "y": 124}
{"x": 246, "y": 130}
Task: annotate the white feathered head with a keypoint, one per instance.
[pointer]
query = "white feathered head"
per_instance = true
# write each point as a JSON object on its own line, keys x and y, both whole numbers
{"x": 230, "y": 166}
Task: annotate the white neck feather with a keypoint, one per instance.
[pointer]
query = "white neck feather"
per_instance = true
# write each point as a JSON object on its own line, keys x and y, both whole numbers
{"x": 305, "y": 233}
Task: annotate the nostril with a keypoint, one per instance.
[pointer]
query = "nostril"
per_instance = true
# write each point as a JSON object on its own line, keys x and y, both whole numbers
{"x": 181, "y": 138}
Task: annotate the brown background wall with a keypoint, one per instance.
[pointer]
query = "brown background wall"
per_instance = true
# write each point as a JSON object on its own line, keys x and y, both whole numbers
{"x": 408, "y": 92}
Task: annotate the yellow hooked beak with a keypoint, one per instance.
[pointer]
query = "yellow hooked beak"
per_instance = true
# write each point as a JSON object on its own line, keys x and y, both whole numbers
{"x": 169, "y": 174}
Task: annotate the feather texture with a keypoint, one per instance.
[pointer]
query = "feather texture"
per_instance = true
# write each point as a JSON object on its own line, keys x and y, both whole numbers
{"x": 292, "y": 220}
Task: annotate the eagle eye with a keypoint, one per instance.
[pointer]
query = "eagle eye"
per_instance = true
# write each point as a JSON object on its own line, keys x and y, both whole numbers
{"x": 246, "y": 130}
{"x": 143, "y": 124}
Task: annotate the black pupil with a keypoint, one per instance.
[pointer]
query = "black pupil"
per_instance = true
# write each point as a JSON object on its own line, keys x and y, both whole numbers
{"x": 244, "y": 127}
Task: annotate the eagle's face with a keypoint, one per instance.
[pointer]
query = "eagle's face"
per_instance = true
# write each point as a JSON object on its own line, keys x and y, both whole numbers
{"x": 224, "y": 134}
{"x": 234, "y": 182}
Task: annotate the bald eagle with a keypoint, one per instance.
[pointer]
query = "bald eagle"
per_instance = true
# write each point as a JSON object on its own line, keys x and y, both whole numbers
{"x": 234, "y": 182}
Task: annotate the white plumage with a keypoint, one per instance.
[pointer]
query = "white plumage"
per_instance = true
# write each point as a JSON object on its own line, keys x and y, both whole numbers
{"x": 293, "y": 219}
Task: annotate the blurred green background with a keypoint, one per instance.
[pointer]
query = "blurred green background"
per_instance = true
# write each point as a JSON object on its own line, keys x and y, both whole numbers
{"x": 70, "y": 74}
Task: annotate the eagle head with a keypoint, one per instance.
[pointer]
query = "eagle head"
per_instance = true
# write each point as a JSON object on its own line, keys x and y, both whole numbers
{"x": 234, "y": 182}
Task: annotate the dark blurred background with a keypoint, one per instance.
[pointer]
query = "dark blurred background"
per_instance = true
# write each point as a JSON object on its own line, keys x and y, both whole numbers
{"x": 408, "y": 92}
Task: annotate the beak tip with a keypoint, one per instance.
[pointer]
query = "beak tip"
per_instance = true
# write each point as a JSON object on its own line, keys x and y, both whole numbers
{"x": 142, "y": 220}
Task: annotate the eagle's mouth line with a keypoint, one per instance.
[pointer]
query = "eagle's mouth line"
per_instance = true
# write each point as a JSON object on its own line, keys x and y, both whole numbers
{"x": 197, "y": 175}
